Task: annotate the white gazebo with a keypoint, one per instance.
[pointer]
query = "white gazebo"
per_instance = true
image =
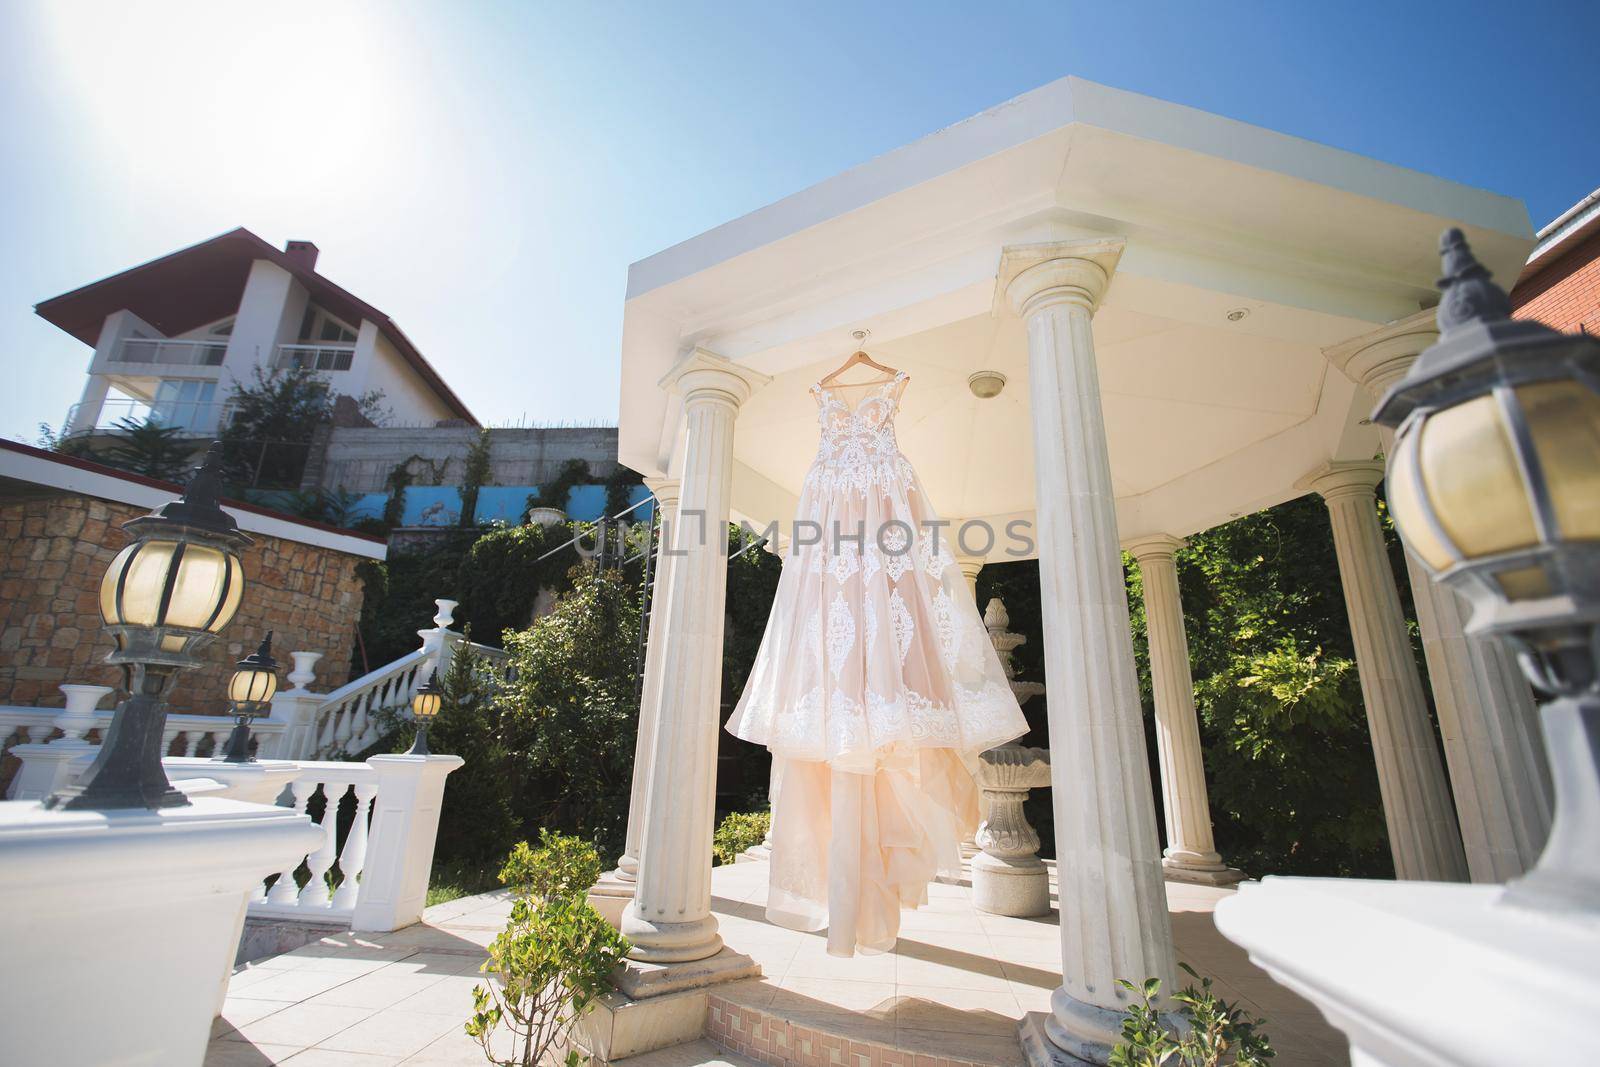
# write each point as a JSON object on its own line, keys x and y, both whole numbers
{"x": 1193, "y": 317}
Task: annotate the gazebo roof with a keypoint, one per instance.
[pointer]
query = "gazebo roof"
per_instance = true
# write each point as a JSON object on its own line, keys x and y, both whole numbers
{"x": 1208, "y": 416}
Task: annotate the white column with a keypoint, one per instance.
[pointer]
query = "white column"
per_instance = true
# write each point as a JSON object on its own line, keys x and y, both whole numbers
{"x": 86, "y": 414}
{"x": 971, "y": 566}
{"x": 615, "y": 888}
{"x": 1191, "y": 853}
{"x": 1498, "y": 771}
{"x": 666, "y": 492}
{"x": 1113, "y": 902}
{"x": 1423, "y": 835}
{"x": 669, "y": 920}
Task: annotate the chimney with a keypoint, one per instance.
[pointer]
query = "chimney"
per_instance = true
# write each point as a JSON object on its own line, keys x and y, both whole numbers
{"x": 301, "y": 254}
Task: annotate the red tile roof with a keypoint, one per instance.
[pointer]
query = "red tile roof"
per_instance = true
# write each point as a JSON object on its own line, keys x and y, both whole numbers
{"x": 203, "y": 283}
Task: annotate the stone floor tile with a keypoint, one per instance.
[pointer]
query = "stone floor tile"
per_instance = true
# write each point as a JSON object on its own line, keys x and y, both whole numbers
{"x": 835, "y": 995}
{"x": 393, "y": 1032}
{"x": 378, "y": 990}
{"x": 966, "y": 1011}
{"x": 244, "y": 1054}
{"x": 322, "y": 1057}
{"x": 302, "y": 1025}
{"x": 812, "y": 961}
{"x": 296, "y": 985}
{"x": 450, "y": 995}
{"x": 237, "y": 1011}
{"x": 454, "y": 1049}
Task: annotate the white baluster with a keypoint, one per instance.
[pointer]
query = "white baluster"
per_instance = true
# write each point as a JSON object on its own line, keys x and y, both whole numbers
{"x": 284, "y": 891}
{"x": 325, "y": 738}
{"x": 219, "y": 738}
{"x": 191, "y": 741}
{"x": 354, "y": 856}
{"x": 315, "y": 894}
{"x": 168, "y": 736}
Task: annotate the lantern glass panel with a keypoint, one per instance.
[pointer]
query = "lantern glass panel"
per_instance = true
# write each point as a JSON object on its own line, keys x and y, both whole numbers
{"x": 1473, "y": 481}
{"x": 1564, "y": 421}
{"x": 1409, "y": 509}
{"x": 426, "y": 705}
{"x": 108, "y": 585}
{"x": 235, "y": 594}
{"x": 199, "y": 589}
{"x": 248, "y": 687}
{"x": 146, "y": 576}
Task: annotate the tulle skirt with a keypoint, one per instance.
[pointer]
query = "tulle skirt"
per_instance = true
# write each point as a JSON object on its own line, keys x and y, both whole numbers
{"x": 875, "y": 688}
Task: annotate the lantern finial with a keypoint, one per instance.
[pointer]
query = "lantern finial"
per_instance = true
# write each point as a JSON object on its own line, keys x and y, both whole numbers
{"x": 1469, "y": 291}
{"x": 199, "y": 505}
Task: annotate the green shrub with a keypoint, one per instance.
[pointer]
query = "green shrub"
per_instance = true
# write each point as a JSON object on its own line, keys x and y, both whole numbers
{"x": 554, "y": 957}
{"x": 562, "y": 865}
{"x": 740, "y": 830}
{"x": 1211, "y": 1031}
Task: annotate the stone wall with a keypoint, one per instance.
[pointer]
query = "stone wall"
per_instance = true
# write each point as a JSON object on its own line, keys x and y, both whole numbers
{"x": 359, "y": 460}
{"x": 58, "y": 545}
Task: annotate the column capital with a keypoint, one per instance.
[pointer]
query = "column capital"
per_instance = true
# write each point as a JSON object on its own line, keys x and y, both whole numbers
{"x": 1340, "y": 479}
{"x": 1376, "y": 360}
{"x": 703, "y": 375}
{"x": 1037, "y": 276}
{"x": 665, "y": 490}
{"x": 1153, "y": 546}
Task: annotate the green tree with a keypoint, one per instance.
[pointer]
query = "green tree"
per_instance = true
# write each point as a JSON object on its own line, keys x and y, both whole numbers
{"x": 273, "y": 419}
{"x": 567, "y": 712}
{"x": 474, "y": 476}
{"x": 1293, "y": 784}
{"x": 149, "y": 448}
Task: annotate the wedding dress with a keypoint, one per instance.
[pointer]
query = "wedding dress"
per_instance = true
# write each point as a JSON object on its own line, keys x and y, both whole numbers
{"x": 875, "y": 688}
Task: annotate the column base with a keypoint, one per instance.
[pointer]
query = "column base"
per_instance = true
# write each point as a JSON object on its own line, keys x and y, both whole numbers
{"x": 1217, "y": 874}
{"x": 755, "y": 854}
{"x": 1071, "y": 1034}
{"x": 656, "y": 1005}
{"x": 667, "y": 942}
{"x": 610, "y": 895}
{"x": 1019, "y": 886}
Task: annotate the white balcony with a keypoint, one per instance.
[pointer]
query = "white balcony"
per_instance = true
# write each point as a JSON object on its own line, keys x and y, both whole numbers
{"x": 192, "y": 417}
{"x": 325, "y": 356}
{"x": 172, "y": 353}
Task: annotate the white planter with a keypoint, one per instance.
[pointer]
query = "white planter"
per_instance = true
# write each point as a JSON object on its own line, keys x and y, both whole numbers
{"x": 546, "y": 517}
{"x": 117, "y": 926}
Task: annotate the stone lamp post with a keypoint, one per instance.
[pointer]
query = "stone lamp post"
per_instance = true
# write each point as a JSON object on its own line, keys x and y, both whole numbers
{"x": 1494, "y": 483}
{"x": 122, "y": 892}
{"x": 164, "y": 598}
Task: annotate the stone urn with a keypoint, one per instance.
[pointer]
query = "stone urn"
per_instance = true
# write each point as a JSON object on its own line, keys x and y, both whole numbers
{"x": 1008, "y": 878}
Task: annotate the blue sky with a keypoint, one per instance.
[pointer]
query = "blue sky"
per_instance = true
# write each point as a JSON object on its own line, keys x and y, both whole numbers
{"x": 486, "y": 172}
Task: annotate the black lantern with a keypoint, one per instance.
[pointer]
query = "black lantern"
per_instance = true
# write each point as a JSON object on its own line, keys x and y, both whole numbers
{"x": 1494, "y": 482}
{"x": 250, "y": 692}
{"x": 164, "y": 598}
{"x": 425, "y": 705}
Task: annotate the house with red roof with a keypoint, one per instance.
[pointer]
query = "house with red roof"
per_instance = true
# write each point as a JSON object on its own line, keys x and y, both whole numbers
{"x": 172, "y": 338}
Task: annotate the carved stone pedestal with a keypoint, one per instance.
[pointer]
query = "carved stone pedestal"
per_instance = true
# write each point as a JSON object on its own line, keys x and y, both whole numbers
{"x": 1008, "y": 878}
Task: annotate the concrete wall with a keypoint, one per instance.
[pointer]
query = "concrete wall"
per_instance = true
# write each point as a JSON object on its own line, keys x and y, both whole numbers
{"x": 358, "y": 460}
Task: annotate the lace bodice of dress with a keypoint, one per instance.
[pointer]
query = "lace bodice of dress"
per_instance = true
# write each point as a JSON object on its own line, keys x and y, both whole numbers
{"x": 856, "y": 448}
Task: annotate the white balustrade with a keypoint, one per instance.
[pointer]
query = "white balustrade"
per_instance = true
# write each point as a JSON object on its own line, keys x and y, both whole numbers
{"x": 315, "y": 901}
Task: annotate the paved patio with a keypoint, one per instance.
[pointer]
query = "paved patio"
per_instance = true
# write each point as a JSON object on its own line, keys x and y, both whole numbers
{"x": 952, "y": 990}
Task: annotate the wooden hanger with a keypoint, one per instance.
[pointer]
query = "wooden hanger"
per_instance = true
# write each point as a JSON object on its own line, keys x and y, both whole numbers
{"x": 858, "y": 357}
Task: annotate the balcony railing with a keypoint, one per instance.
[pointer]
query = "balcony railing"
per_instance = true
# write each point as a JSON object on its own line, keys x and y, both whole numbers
{"x": 191, "y": 417}
{"x": 325, "y": 356}
{"x": 170, "y": 353}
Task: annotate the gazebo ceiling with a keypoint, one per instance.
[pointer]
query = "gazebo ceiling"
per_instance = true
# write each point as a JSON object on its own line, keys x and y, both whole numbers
{"x": 1207, "y": 415}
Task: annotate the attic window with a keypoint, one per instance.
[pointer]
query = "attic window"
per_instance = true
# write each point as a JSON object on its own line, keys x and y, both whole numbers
{"x": 318, "y": 325}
